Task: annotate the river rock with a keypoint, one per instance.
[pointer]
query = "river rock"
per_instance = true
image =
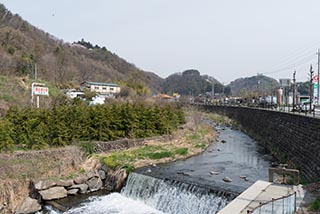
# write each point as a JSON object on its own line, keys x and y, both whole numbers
{"x": 53, "y": 193}
{"x": 223, "y": 141}
{"x": 29, "y": 205}
{"x": 94, "y": 184}
{"x": 81, "y": 187}
{"x": 73, "y": 191}
{"x": 91, "y": 175}
{"x": 102, "y": 174}
{"x": 227, "y": 179}
{"x": 183, "y": 173}
{"x": 214, "y": 173}
{"x": 65, "y": 183}
{"x": 42, "y": 185}
{"x": 243, "y": 176}
{"x": 80, "y": 180}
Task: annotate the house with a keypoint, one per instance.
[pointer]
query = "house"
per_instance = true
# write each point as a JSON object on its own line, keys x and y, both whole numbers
{"x": 103, "y": 89}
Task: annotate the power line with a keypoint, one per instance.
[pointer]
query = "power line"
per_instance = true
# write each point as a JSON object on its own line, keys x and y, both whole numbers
{"x": 294, "y": 60}
{"x": 297, "y": 54}
{"x": 293, "y": 65}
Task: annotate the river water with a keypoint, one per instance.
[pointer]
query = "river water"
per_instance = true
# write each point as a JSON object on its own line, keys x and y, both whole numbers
{"x": 188, "y": 186}
{"x": 235, "y": 155}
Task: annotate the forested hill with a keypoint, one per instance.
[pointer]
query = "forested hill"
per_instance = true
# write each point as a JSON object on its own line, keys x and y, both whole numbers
{"x": 23, "y": 45}
{"x": 254, "y": 84}
{"x": 191, "y": 82}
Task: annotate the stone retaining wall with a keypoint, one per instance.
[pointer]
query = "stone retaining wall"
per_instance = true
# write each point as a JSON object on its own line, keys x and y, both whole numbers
{"x": 291, "y": 137}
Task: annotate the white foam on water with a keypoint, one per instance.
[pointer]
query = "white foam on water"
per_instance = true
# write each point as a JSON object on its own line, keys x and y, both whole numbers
{"x": 113, "y": 203}
{"x": 173, "y": 198}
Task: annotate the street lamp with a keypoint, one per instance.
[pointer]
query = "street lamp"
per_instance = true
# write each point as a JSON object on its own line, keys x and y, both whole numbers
{"x": 311, "y": 89}
{"x": 294, "y": 92}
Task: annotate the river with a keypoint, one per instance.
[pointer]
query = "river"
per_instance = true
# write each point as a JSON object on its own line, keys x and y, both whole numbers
{"x": 194, "y": 185}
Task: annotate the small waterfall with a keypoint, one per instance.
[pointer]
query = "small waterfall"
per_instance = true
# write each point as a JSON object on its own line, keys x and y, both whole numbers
{"x": 174, "y": 197}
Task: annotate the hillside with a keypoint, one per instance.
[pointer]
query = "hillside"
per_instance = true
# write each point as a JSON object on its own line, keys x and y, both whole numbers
{"x": 259, "y": 84}
{"x": 191, "y": 82}
{"x": 24, "y": 46}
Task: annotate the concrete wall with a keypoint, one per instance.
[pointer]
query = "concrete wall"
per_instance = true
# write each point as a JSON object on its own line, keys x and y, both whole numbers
{"x": 290, "y": 137}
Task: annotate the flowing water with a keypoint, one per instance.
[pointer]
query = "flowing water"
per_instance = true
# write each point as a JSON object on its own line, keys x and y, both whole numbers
{"x": 147, "y": 195}
{"x": 192, "y": 186}
{"x": 234, "y": 155}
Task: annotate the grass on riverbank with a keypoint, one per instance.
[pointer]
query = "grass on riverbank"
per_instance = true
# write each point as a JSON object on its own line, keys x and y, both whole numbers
{"x": 186, "y": 143}
{"x": 220, "y": 119}
{"x": 126, "y": 159}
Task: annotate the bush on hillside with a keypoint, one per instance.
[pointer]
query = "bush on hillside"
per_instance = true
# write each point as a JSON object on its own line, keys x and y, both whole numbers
{"x": 71, "y": 123}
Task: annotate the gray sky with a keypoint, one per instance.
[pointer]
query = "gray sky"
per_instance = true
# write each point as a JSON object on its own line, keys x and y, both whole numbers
{"x": 226, "y": 39}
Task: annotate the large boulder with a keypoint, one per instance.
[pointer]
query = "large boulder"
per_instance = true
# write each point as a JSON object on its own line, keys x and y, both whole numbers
{"x": 42, "y": 185}
{"x": 94, "y": 184}
{"x": 53, "y": 193}
{"x": 80, "y": 179}
{"x": 81, "y": 187}
{"x": 73, "y": 191}
{"x": 65, "y": 183}
{"x": 29, "y": 205}
{"x": 102, "y": 174}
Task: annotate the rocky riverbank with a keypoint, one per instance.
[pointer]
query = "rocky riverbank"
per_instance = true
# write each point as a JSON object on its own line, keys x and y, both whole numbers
{"x": 47, "y": 191}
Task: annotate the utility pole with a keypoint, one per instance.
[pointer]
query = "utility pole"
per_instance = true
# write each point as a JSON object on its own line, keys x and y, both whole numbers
{"x": 35, "y": 71}
{"x": 294, "y": 92}
{"x": 318, "y": 92}
{"x": 311, "y": 88}
{"x": 212, "y": 89}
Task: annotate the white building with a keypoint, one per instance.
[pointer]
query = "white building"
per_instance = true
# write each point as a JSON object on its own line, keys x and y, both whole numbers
{"x": 103, "y": 89}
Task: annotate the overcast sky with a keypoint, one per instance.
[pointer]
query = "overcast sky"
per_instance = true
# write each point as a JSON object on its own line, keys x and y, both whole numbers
{"x": 226, "y": 39}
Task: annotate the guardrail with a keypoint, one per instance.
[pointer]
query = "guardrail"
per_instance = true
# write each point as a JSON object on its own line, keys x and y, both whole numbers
{"x": 284, "y": 205}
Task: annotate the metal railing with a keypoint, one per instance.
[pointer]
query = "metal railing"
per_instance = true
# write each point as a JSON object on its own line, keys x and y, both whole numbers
{"x": 284, "y": 205}
{"x": 282, "y": 108}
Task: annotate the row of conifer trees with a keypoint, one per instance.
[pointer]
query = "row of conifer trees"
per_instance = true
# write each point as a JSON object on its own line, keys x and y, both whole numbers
{"x": 67, "y": 124}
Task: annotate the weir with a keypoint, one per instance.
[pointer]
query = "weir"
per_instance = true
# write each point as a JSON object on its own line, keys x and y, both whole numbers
{"x": 188, "y": 186}
{"x": 145, "y": 195}
{"x": 174, "y": 197}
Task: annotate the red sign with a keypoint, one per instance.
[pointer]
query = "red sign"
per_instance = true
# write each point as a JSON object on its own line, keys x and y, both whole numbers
{"x": 316, "y": 78}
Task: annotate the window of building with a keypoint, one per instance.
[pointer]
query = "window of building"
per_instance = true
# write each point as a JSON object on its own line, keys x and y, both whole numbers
{"x": 111, "y": 89}
{"x": 96, "y": 87}
{"x": 104, "y": 88}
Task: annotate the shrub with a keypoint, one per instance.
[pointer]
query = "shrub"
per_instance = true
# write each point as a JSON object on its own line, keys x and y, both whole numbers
{"x": 315, "y": 205}
{"x": 88, "y": 148}
{"x": 69, "y": 122}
